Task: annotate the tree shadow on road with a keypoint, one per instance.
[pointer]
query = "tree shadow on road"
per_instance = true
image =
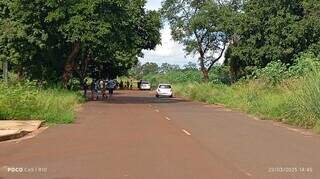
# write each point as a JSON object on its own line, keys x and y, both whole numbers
{"x": 142, "y": 100}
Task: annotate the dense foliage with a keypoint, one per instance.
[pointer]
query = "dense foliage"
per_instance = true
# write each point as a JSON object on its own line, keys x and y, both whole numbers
{"x": 274, "y": 31}
{"x": 252, "y": 33}
{"x": 200, "y": 27}
{"x": 55, "y": 40}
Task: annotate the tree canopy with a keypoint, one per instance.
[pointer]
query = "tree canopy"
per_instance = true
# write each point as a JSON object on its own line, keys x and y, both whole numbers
{"x": 274, "y": 31}
{"x": 249, "y": 33}
{"x": 201, "y": 27}
{"x": 55, "y": 40}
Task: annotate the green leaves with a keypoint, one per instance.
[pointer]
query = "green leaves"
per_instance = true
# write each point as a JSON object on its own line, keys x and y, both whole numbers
{"x": 39, "y": 35}
{"x": 276, "y": 30}
{"x": 202, "y": 27}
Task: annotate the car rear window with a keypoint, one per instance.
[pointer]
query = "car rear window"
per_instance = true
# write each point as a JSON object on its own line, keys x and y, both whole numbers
{"x": 144, "y": 82}
{"x": 165, "y": 86}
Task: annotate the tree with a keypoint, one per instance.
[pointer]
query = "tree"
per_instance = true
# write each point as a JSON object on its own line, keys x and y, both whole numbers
{"x": 54, "y": 39}
{"x": 21, "y": 34}
{"x": 198, "y": 25}
{"x": 150, "y": 68}
{"x": 136, "y": 71}
{"x": 190, "y": 66}
{"x": 127, "y": 28}
{"x": 270, "y": 30}
{"x": 166, "y": 67}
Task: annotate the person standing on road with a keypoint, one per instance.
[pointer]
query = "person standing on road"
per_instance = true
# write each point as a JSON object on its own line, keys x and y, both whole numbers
{"x": 103, "y": 89}
{"x": 121, "y": 85}
{"x": 128, "y": 85}
{"x": 139, "y": 84}
{"x": 92, "y": 88}
{"x": 85, "y": 88}
{"x": 96, "y": 89}
{"x": 101, "y": 86}
{"x": 131, "y": 84}
{"x": 110, "y": 86}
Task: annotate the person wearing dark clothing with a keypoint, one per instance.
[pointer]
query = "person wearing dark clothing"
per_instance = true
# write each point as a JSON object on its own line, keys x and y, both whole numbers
{"x": 128, "y": 85}
{"x": 121, "y": 85}
{"x": 139, "y": 84}
{"x": 111, "y": 85}
{"x": 85, "y": 87}
{"x": 92, "y": 88}
{"x": 131, "y": 85}
{"x": 96, "y": 88}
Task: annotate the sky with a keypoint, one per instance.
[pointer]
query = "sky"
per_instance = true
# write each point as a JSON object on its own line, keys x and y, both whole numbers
{"x": 169, "y": 51}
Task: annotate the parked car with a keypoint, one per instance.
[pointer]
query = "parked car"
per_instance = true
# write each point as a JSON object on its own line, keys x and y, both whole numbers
{"x": 144, "y": 85}
{"x": 164, "y": 90}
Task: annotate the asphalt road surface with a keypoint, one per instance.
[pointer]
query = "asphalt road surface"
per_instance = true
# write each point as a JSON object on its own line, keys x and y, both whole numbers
{"x": 136, "y": 136}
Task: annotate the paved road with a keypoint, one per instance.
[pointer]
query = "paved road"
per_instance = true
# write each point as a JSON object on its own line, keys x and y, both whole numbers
{"x": 136, "y": 136}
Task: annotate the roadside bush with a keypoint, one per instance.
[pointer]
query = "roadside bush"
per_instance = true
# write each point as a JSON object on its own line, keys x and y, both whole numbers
{"x": 25, "y": 101}
{"x": 273, "y": 74}
{"x": 305, "y": 103}
{"x": 266, "y": 103}
{"x": 303, "y": 65}
{"x": 220, "y": 75}
{"x": 183, "y": 76}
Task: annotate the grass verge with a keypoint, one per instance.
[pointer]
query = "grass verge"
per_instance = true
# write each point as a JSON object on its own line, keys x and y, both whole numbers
{"x": 295, "y": 102}
{"x": 24, "y": 101}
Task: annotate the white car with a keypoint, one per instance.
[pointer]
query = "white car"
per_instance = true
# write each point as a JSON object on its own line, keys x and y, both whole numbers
{"x": 145, "y": 85}
{"x": 164, "y": 90}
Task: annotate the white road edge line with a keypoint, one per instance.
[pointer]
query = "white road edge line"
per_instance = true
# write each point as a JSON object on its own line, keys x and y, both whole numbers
{"x": 157, "y": 110}
{"x": 304, "y": 133}
{"x": 244, "y": 171}
{"x": 248, "y": 174}
{"x": 186, "y": 132}
{"x": 168, "y": 118}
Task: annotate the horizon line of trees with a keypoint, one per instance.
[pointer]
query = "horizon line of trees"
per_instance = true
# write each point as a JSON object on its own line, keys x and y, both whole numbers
{"x": 139, "y": 71}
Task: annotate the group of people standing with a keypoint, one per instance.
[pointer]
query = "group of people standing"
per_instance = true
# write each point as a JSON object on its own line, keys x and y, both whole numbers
{"x": 99, "y": 88}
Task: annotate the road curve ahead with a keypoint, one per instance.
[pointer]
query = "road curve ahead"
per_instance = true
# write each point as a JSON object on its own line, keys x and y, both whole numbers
{"x": 137, "y": 136}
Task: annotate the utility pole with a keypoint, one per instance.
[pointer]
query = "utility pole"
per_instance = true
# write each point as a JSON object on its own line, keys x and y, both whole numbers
{"x": 5, "y": 71}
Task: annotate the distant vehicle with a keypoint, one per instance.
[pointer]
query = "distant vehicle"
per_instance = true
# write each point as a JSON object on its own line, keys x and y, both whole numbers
{"x": 164, "y": 90}
{"x": 144, "y": 85}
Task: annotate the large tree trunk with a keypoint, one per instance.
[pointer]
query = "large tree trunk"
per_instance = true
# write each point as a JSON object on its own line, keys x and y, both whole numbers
{"x": 204, "y": 70}
{"x": 70, "y": 63}
{"x": 205, "y": 75}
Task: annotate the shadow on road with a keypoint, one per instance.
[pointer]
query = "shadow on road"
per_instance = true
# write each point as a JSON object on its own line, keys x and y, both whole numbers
{"x": 141, "y": 100}
{"x": 134, "y": 97}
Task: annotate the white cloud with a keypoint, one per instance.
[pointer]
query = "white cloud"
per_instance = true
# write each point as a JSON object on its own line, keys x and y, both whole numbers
{"x": 169, "y": 51}
{"x": 153, "y": 4}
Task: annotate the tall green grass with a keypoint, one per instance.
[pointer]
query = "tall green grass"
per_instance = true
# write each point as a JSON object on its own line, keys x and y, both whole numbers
{"x": 24, "y": 101}
{"x": 295, "y": 102}
{"x": 263, "y": 102}
{"x": 288, "y": 93}
{"x": 305, "y": 103}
